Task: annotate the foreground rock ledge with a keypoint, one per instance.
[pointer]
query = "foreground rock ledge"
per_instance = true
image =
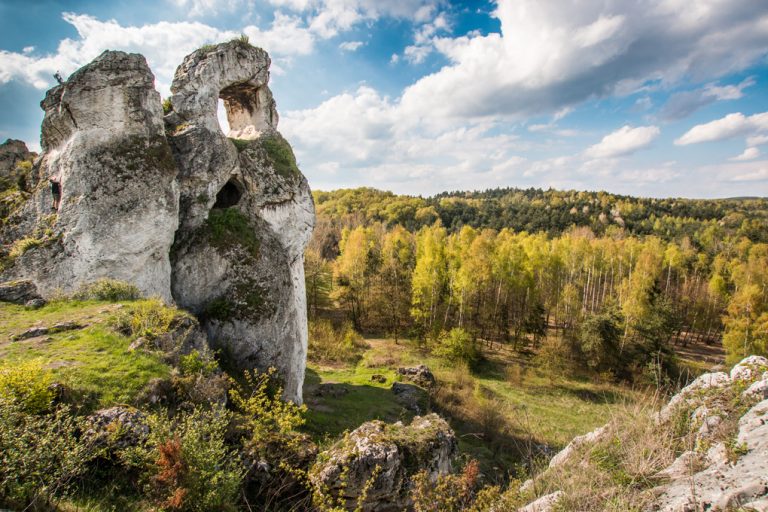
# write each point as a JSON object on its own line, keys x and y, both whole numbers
{"x": 391, "y": 455}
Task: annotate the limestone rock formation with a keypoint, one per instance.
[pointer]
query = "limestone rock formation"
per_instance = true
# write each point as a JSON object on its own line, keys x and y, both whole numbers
{"x": 378, "y": 460}
{"x": 246, "y": 213}
{"x": 172, "y": 205}
{"x": 106, "y": 204}
{"x": 12, "y": 153}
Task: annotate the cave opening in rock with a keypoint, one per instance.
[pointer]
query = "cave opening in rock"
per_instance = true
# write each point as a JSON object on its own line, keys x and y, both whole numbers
{"x": 228, "y": 196}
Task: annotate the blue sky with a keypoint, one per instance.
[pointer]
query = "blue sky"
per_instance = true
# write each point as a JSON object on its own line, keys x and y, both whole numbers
{"x": 654, "y": 98}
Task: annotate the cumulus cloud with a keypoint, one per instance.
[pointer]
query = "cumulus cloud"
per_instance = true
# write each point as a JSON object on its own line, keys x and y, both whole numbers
{"x": 749, "y": 154}
{"x": 732, "y": 125}
{"x": 555, "y": 54}
{"x": 683, "y": 104}
{"x": 624, "y": 141}
{"x": 163, "y": 44}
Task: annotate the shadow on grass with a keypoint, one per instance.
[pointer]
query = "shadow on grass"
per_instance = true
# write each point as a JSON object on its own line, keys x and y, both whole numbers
{"x": 338, "y": 407}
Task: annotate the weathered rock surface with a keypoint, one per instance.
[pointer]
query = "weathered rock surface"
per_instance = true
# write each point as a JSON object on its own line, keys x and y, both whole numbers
{"x": 246, "y": 213}
{"x": 379, "y": 459}
{"x": 116, "y": 427}
{"x": 104, "y": 144}
{"x": 420, "y": 375}
{"x": 170, "y": 204}
{"x": 723, "y": 485}
{"x": 727, "y": 467}
{"x": 544, "y": 504}
{"x": 18, "y": 292}
{"x": 13, "y": 152}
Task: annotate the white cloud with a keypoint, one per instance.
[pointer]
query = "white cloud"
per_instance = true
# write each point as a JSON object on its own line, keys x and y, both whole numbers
{"x": 351, "y": 46}
{"x": 740, "y": 172}
{"x": 555, "y": 54}
{"x": 757, "y": 140}
{"x": 683, "y": 104}
{"x": 748, "y": 154}
{"x": 417, "y": 54}
{"x": 624, "y": 141}
{"x": 198, "y": 8}
{"x": 732, "y": 125}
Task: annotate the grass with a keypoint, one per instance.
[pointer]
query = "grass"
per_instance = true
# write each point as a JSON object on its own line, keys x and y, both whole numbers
{"x": 93, "y": 362}
{"x": 281, "y": 155}
{"x": 499, "y": 412}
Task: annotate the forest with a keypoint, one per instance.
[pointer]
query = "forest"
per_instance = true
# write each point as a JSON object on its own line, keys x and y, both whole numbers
{"x": 606, "y": 283}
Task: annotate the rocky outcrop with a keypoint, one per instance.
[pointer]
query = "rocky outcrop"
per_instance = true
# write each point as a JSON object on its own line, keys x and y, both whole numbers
{"x": 375, "y": 462}
{"x": 172, "y": 205}
{"x": 12, "y": 153}
{"x": 18, "y": 292}
{"x": 246, "y": 213}
{"x": 420, "y": 375}
{"x": 714, "y": 432}
{"x": 107, "y": 200}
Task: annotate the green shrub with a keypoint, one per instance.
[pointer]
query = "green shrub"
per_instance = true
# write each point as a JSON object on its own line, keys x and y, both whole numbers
{"x": 108, "y": 290}
{"x": 27, "y": 385}
{"x": 186, "y": 463}
{"x": 457, "y": 346}
{"x": 149, "y": 319}
{"x": 40, "y": 456}
{"x": 330, "y": 344}
{"x": 196, "y": 363}
{"x": 167, "y": 106}
{"x": 240, "y": 144}
{"x": 229, "y": 227}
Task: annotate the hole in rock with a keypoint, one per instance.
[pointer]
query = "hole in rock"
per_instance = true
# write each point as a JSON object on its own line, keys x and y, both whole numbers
{"x": 229, "y": 195}
{"x": 221, "y": 115}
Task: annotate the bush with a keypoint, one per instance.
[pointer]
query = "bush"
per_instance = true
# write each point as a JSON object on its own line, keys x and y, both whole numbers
{"x": 149, "y": 319}
{"x": 281, "y": 155}
{"x": 189, "y": 466}
{"x": 457, "y": 346}
{"x": 40, "y": 456}
{"x": 167, "y": 106}
{"x": 27, "y": 385}
{"x": 330, "y": 344}
{"x": 196, "y": 363}
{"x": 108, "y": 290}
{"x": 449, "y": 493}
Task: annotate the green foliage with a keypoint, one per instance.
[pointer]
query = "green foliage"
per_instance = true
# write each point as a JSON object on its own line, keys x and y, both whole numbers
{"x": 599, "y": 339}
{"x": 167, "y": 106}
{"x": 330, "y": 344}
{"x": 149, "y": 319}
{"x": 281, "y": 155}
{"x": 240, "y": 144}
{"x": 108, "y": 290}
{"x": 27, "y": 385}
{"x": 41, "y": 456}
{"x": 230, "y": 227}
{"x": 189, "y": 466}
{"x": 196, "y": 363}
{"x": 267, "y": 415}
{"x": 457, "y": 346}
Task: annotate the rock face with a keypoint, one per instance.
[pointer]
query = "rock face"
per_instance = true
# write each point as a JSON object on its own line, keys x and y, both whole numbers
{"x": 378, "y": 460}
{"x": 104, "y": 146}
{"x": 170, "y": 204}
{"x": 13, "y": 152}
{"x": 246, "y": 213}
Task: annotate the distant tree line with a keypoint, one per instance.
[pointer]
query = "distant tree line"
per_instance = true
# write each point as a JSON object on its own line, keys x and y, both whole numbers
{"x": 618, "y": 295}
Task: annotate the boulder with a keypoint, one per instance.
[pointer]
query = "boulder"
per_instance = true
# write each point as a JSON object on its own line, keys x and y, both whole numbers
{"x": 116, "y": 427}
{"x": 749, "y": 369}
{"x": 411, "y": 397}
{"x": 420, "y": 375}
{"x": 544, "y": 504}
{"x": 377, "y": 460}
{"x": 18, "y": 292}
{"x": 577, "y": 442}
